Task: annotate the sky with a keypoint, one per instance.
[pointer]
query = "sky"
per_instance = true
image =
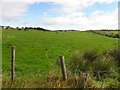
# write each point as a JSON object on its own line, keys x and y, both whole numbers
{"x": 60, "y": 14}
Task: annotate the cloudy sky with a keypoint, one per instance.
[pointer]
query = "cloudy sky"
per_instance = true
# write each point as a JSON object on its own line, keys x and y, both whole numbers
{"x": 60, "y": 14}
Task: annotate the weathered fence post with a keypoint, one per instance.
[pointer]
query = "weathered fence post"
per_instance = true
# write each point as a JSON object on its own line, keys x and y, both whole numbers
{"x": 13, "y": 63}
{"x": 63, "y": 67}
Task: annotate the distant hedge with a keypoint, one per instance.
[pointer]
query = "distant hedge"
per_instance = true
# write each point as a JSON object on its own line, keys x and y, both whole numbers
{"x": 106, "y": 33}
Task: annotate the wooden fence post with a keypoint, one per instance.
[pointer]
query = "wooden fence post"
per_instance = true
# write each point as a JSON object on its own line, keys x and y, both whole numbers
{"x": 13, "y": 63}
{"x": 63, "y": 68}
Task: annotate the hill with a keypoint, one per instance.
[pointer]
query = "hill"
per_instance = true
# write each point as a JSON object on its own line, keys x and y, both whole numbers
{"x": 37, "y": 51}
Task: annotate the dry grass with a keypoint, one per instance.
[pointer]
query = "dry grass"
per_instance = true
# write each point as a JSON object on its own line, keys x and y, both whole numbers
{"x": 53, "y": 80}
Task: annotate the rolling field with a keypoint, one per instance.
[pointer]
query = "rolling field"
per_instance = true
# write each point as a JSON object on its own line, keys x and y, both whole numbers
{"x": 37, "y": 51}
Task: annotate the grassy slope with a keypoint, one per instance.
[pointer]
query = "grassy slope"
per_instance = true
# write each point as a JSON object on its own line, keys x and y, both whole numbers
{"x": 37, "y": 52}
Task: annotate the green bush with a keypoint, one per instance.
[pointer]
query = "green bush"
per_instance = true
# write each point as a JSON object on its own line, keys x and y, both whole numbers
{"x": 116, "y": 36}
{"x": 91, "y": 62}
{"x": 116, "y": 55}
{"x": 90, "y": 55}
{"x": 77, "y": 63}
{"x": 103, "y": 67}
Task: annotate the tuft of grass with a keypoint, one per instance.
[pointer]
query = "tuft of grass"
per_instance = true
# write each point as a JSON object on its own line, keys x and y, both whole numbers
{"x": 90, "y": 55}
{"x": 101, "y": 67}
{"x": 116, "y": 55}
{"x": 77, "y": 63}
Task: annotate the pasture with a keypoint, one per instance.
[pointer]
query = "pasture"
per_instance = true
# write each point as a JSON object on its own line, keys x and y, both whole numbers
{"x": 37, "y": 51}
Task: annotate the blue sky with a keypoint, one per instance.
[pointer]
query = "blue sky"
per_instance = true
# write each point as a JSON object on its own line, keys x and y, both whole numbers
{"x": 61, "y": 14}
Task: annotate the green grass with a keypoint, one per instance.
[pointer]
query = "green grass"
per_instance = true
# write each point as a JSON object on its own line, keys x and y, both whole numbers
{"x": 37, "y": 51}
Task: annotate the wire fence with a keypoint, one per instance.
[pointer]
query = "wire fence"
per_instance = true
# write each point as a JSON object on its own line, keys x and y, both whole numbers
{"x": 113, "y": 47}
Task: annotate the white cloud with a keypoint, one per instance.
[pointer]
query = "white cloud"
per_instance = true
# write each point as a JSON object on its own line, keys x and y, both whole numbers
{"x": 11, "y": 9}
{"x": 105, "y": 20}
{"x": 71, "y": 19}
{"x": 70, "y": 6}
{"x": 97, "y": 20}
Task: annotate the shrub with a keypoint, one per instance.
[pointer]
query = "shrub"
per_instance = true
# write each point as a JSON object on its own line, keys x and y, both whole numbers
{"x": 116, "y": 55}
{"x": 90, "y": 55}
{"x": 116, "y": 36}
{"x": 102, "y": 67}
{"x": 78, "y": 64}
{"x": 96, "y": 66}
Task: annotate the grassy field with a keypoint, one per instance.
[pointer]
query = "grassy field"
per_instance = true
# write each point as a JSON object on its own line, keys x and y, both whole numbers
{"x": 37, "y": 51}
